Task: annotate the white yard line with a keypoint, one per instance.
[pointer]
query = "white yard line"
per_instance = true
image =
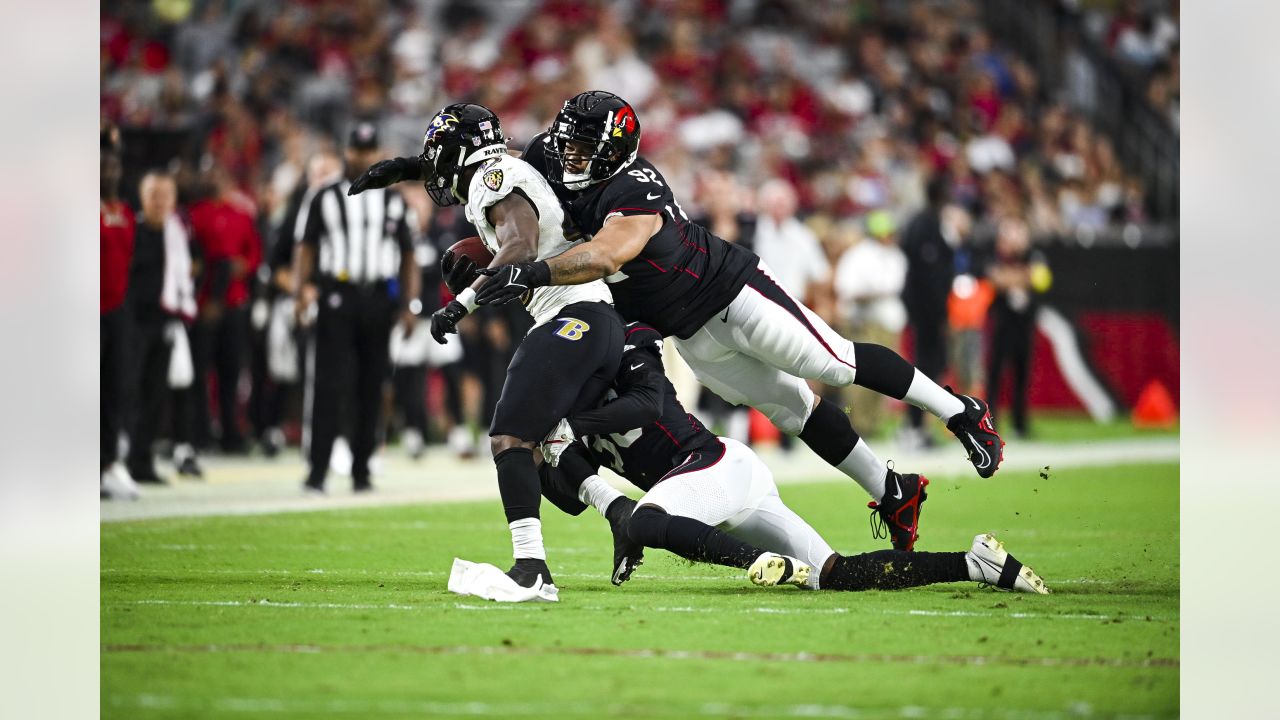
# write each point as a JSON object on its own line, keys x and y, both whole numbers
{"x": 246, "y": 486}
{"x": 476, "y": 708}
{"x": 767, "y": 610}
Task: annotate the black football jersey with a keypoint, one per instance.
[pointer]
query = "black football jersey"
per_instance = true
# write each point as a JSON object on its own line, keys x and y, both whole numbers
{"x": 643, "y": 455}
{"x": 684, "y": 276}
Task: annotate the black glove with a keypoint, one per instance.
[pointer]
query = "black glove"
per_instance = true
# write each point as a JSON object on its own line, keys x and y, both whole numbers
{"x": 445, "y": 320}
{"x": 386, "y": 172}
{"x": 459, "y": 271}
{"x": 509, "y": 282}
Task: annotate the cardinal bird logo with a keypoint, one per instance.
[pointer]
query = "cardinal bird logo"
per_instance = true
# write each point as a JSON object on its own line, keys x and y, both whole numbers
{"x": 624, "y": 121}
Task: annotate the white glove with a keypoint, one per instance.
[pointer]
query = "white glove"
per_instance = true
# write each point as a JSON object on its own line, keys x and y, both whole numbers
{"x": 556, "y": 442}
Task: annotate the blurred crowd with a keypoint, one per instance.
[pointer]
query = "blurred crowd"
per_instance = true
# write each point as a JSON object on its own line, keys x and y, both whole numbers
{"x": 887, "y": 158}
{"x": 1143, "y": 36}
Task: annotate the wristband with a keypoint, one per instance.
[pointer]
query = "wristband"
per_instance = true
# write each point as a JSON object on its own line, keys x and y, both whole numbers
{"x": 467, "y": 298}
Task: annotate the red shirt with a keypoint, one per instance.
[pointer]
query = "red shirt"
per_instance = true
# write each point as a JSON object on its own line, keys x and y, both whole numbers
{"x": 116, "y": 222}
{"x": 225, "y": 232}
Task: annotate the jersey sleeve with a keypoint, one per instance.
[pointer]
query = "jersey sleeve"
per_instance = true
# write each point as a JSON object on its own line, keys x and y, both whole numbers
{"x": 637, "y": 190}
{"x": 640, "y": 386}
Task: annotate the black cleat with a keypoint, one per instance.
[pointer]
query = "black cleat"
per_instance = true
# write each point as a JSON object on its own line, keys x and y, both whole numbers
{"x": 190, "y": 468}
{"x": 527, "y": 571}
{"x": 897, "y": 515}
{"x": 976, "y": 430}
{"x": 627, "y": 554}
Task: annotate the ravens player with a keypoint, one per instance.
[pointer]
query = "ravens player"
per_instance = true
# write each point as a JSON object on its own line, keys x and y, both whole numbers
{"x": 571, "y": 354}
{"x": 711, "y": 499}
{"x": 746, "y": 338}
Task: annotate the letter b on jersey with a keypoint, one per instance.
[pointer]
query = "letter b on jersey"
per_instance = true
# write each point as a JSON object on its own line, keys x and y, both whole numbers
{"x": 572, "y": 328}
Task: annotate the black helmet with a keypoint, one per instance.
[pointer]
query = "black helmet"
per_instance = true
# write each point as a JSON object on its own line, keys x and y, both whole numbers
{"x": 462, "y": 134}
{"x": 606, "y": 135}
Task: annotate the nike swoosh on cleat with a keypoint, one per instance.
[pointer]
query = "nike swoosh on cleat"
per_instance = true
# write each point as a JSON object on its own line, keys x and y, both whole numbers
{"x": 897, "y": 489}
{"x": 976, "y": 406}
{"x": 986, "y": 459}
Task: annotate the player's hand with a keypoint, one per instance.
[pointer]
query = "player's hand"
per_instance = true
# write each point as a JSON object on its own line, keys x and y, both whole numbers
{"x": 556, "y": 442}
{"x": 445, "y": 320}
{"x": 509, "y": 282}
{"x": 384, "y": 173}
{"x": 459, "y": 271}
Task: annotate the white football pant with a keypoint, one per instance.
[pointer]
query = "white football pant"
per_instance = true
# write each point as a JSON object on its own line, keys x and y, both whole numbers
{"x": 760, "y": 350}
{"x": 738, "y": 495}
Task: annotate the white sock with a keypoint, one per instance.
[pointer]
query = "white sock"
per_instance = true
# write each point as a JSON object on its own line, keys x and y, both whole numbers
{"x": 864, "y": 467}
{"x": 526, "y": 539}
{"x": 929, "y": 395}
{"x": 597, "y": 493}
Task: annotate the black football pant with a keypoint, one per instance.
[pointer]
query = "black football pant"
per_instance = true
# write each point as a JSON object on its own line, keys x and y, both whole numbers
{"x": 350, "y": 356}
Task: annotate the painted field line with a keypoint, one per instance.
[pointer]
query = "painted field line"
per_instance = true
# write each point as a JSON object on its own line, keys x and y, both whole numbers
{"x": 528, "y": 607}
{"x": 366, "y": 572}
{"x": 783, "y": 657}
{"x": 428, "y": 708}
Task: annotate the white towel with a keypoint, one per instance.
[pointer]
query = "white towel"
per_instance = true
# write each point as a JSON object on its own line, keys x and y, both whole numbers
{"x": 178, "y": 294}
{"x": 487, "y": 581}
{"x": 182, "y": 371}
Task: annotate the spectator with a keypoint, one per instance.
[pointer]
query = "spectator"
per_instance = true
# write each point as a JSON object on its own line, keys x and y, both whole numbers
{"x": 161, "y": 300}
{"x": 230, "y": 248}
{"x": 115, "y": 234}
{"x": 869, "y": 280}
{"x": 967, "y": 305}
{"x": 786, "y": 245}
{"x": 1019, "y": 275}
{"x": 929, "y": 249}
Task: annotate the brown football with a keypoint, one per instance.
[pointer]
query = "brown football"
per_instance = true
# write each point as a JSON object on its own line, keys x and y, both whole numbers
{"x": 473, "y": 247}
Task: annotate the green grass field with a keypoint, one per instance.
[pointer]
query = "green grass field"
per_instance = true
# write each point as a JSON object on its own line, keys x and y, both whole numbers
{"x": 345, "y": 614}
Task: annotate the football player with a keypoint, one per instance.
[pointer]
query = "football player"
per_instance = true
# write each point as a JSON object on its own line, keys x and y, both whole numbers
{"x": 711, "y": 499}
{"x": 569, "y": 356}
{"x": 745, "y": 337}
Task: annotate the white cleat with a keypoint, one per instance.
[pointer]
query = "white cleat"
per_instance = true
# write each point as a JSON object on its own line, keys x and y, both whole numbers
{"x": 989, "y": 564}
{"x": 772, "y": 569}
{"x": 119, "y": 484}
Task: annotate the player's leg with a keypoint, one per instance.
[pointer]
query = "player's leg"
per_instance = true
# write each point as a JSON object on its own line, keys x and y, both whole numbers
{"x": 765, "y": 322}
{"x": 791, "y": 405}
{"x": 557, "y": 366}
{"x": 986, "y": 562}
{"x": 681, "y": 512}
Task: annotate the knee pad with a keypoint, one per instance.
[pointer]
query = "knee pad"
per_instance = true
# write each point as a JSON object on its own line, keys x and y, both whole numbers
{"x": 648, "y": 526}
{"x": 789, "y": 420}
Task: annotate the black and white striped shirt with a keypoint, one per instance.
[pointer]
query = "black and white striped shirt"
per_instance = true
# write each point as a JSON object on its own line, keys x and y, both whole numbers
{"x": 358, "y": 239}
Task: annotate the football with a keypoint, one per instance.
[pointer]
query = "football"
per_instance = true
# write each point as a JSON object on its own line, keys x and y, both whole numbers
{"x": 472, "y": 247}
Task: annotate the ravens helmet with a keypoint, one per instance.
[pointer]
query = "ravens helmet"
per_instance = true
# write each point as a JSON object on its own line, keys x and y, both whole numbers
{"x": 595, "y": 135}
{"x": 461, "y": 134}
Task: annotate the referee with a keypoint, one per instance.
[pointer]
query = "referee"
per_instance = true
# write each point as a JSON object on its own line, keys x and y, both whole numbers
{"x": 355, "y": 266}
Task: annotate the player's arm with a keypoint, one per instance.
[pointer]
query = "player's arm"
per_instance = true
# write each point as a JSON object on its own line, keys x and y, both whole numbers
{"x": 385, "y": 173}
{"x": 516, "y": 225}
{"x": 622, "y": 238}
{"x": 640, "y": 394}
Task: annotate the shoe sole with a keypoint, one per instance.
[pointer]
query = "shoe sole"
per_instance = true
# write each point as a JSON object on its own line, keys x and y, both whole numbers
{"x": 770, "y": 571}
{"x": 999, "y": 556}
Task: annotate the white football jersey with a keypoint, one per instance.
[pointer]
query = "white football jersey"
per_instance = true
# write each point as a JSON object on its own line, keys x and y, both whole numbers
{"x": 498, "y": 178}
